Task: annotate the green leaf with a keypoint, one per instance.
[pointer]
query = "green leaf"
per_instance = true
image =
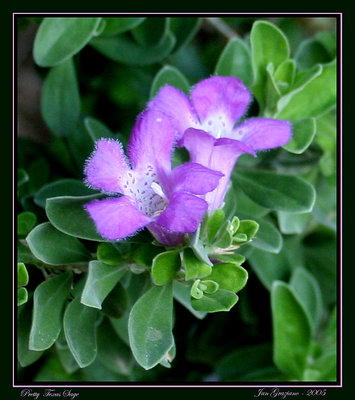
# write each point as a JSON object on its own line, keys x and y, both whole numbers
{"x": 305, "y": 104}
{"x": 229, "y": 276}
{"x": 183, "y": 296}
{"x": 25, "y": 222}
{"x": 196, "y": 292}
{"x": 244, "y": 360}
{"x": 64, "y": 354}
{"x": 24, "y": 254}
{"x": 271, "y": 92}
{"x": 245, "y": 205}
{"x": 114, "y": 26}
{"x": 108, "y": 254}
{"x": 320, "y": 250}
{"x": 68, "y": 215}
{"x": 169, "y": 75}
{"x": 59, "y": 152}
{"x": 60, "y": 101}
{"x": 291, "y": 331}
{"x": 184, "y": 30}
{"x": 97, "y": 129}
{"x": 165, "y": 266}
{"x": 80, "y": 145}
{"x": 61, "y": 187}
{"x": 309, "y": 295}
{"x": 267, "y": 238}
{"x": 198, "y": 248}
{"x": 222, "y": 300}
{"x": 24, "y": 320}
{"x": 233, "y": 225}
{"x": 22, "y": 296}
{"x": 80, "y": 331}
{"x": 126, "y": 51}
{"x": 116, "y": 303}
{"x": 22, "y": 274}
{"x": 214, "y": 223}
{"x": 303, "y": 132}
{"x": 53, "y": 247}
{"x": 285, "y": 75}
{"x": 209, "y": 286}
{"x": 112, "y": 351}
{"x": 329, "y": 41}
{"x": 326, "y": 138}
{"x": 22, "y": 177}
{"x": 194, "y": 268}
{"x": 325, "y": 367}
{"x": 277, "y": 191}
{"x": 101, "y": 279}
{"x": 224, "y": 239}
{"x": 249, "y": 228}
{"x": 151, "y": 31}
{"x": 235, "y": 60}
{"x": 48, "y": 305}
{"x": 268, "y": 45}
{"x": 268, "y": 267}
{"x": 240, "y": 238}
{"x": 293, "y": 223}
{"x": 136, "y": 286}
{"x": 145, "y": 253}
{"x": 150, "y": 326}
{"x": 311, "y": 52}
{"x": 230, "y": 258}
{"x": 302, "y": 79}
{"x": 58, "y": 39}
{"x": 325, "y": 209}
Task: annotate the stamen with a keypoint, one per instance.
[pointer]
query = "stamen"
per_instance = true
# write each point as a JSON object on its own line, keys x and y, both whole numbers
{"x": 157, "y": 189}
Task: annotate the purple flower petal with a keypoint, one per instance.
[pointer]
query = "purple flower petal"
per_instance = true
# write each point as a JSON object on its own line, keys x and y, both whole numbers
{"x": 107, "y": 166}
{"x": 199, "y": 145}
{"x": 177, "y": 106}
{"x": 151, "y": 142}
{"x": 194, "y": 178}
{"x": 224, "y": 156}
{"x": 220, "y": 102}
{"x": 116, "y": 218}
{"x": 183, "y": 213}
{"x": 263, "y": 133}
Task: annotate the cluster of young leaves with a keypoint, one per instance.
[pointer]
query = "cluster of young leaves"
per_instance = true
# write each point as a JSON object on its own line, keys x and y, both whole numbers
{"x": 109, "y": 306}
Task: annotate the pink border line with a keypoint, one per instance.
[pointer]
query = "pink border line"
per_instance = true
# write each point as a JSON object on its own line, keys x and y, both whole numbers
{"x": 277, "y": 385}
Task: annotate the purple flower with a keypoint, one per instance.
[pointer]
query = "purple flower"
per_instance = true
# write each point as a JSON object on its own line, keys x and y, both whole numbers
{"x": 165, "y": 201}
{"x": 205, "y": 125}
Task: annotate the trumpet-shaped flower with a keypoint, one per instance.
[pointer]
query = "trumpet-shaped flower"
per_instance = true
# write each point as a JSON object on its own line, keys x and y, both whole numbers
{"x": 205, "y": 124}
{"x": 166, "y": 201}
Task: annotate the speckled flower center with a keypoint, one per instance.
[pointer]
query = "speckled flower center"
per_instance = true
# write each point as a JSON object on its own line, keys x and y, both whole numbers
{"x": 146, "y": 191}
{"x": 215, "y": 125}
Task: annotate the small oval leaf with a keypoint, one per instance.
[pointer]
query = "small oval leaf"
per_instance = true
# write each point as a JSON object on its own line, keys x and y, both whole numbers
{"x": 101, "y": 279}
{"x": 126, "y": 51}
{"x": 60, "y": 101}
{"x": 48, "y": 305}
{"x": 277, "y": 191}
{"x": 68, "y": 215}
{"x": 235, "y": 60}
{"x": 61, "y": 187}
{"x": 150, "y": 326}
{"x": 54, "y": 247}
{"x": 291, "y": 329}
{"x": 58, "y": 39}
{"x": 165, "y": 266}
{"x": 169, "y": 75}
{"x": 222, "y": 300}
{"x": 80, "y": 331}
